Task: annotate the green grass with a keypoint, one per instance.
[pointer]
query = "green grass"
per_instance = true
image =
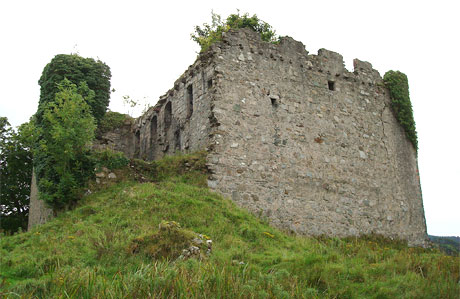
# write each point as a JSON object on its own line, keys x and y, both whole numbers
{"x": 87, "y": 252}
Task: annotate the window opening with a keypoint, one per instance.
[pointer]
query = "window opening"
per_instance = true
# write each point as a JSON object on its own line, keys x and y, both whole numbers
{"x": 168, "y": 115}
{"x": 153, "y": 134}
{"x": 190, "y": 100}
{"x": 138, "y": 144}
{"x": 274, "y": 103}
{"x": 177, "y": 140}
{"x": 331, "y": 85}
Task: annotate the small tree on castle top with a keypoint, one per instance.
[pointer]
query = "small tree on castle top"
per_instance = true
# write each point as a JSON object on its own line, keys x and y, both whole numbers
{"x": 206, "y": 34}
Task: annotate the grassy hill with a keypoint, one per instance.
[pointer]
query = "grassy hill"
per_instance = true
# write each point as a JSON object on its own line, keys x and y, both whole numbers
{"x": 123, "y": 241}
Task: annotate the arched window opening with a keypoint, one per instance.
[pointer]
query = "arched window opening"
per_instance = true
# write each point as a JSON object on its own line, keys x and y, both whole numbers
{"x": 168, "y": 115}
{"x": 153, "y": 134}
{"x": 177, "y": 140}
{"x": 137, "y": 145}
{"x": 189, "y": 99}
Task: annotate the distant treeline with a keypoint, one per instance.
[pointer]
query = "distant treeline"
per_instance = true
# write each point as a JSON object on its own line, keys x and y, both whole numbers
{"x": 450, "y": 245}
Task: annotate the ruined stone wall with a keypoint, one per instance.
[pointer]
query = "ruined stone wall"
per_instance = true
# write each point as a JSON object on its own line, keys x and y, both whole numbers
{"x": 293, "y": 137}
{"x": 119, "y": 139}
{"x": 181, "y": 120}
{"x": 310, "y": 145}
{"x": 39, "y": 212}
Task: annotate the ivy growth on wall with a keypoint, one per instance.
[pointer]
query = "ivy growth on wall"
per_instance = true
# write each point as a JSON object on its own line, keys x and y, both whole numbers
{"x": 398, "y": 85}
{"x": 74, "y": 95}
{"x": 95, "y": 74}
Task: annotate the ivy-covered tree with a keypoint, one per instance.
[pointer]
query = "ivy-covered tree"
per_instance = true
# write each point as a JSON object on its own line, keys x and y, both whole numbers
{"x": 206, "y": 34}
{"x": 62, "y": 155}
{"x": 74, "y": 95}
{"x": 77, "y": 70}
{"x": 15, "y": 175}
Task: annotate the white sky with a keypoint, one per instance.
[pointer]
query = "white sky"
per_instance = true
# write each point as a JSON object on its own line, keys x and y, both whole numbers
{"x": 147, "y": 46}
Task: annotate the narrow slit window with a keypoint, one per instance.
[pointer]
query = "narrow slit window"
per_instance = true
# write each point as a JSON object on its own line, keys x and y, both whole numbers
{"x": 137, "y": 145}
{"x": 274, "y": 102}
{"x": 177, "y": 140}
{"x": 190, "y": 100}
{"x": 209, "y": 83}
{"x": 153, "y": 132}
{"x": 331, "y": 85}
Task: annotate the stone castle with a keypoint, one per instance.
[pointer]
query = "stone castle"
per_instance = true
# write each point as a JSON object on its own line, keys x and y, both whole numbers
{"x": 293, "y": 137}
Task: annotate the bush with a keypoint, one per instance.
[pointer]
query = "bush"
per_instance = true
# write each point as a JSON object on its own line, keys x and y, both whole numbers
{"x": 398, "y": 85}
{"x": 62, "y": 156}
{"x": 206, "y": 35}
{"x": 110, "y": 159}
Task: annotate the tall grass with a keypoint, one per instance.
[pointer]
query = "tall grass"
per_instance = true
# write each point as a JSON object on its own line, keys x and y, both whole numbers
{"x": 84, "y": 253}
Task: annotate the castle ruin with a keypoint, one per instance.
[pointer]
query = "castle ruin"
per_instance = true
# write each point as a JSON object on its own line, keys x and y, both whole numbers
{"x": 293, "y": 137}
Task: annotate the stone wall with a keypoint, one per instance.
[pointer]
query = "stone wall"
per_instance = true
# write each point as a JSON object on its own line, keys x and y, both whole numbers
{"x": 39, "y": 213}
{"x": 120, "y": 139}
{"x": 309, "y": 145}
{"x": 181, "y": 120}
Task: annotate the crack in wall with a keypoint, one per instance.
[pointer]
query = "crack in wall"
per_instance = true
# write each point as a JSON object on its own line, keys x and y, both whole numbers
{"x": 383, "y": 130}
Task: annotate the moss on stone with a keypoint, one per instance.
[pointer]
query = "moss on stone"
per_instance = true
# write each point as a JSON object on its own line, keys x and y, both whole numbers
{"x": 111, "y": 121}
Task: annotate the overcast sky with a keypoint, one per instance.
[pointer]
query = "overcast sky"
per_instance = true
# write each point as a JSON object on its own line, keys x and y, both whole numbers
{"x": 147, "y": 46}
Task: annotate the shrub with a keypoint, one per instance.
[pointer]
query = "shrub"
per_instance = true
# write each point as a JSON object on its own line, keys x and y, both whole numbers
{"x": 206, "y": 35}
{"x": 110, "y": 159}
{"x": 62, "y": 155}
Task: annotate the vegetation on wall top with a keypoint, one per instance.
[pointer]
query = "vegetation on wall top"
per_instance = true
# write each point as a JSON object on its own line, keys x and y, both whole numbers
{"x": 398, "y": 85}
{"x": 111, "y": 121}
{"x": 206, "y": 35}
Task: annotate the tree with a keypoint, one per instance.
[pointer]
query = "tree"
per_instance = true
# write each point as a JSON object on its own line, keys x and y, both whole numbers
{"x": 62, "y": 155}
{"x": 77, "y": 70}
{"x": 15, "y": 175}
{"x": 206, "y": 35}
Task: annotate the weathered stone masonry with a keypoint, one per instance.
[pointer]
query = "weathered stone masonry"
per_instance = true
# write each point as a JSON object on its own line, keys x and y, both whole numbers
{"x": 293, "y": 137}
{"x": 311, "y": 146}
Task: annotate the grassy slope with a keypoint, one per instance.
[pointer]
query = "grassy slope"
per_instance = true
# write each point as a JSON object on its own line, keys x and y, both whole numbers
{"x": 84, "y": 253}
